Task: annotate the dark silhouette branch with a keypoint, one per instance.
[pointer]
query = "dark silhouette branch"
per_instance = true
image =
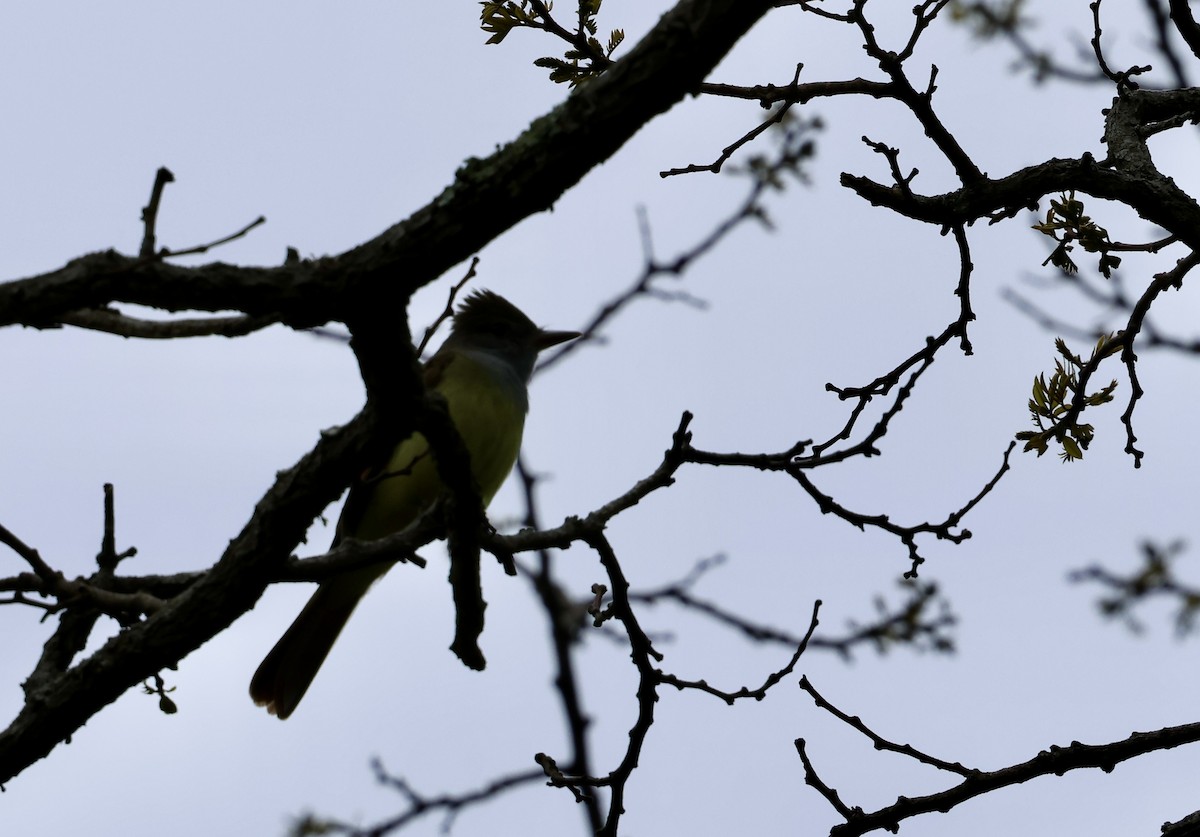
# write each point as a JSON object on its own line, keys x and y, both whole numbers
{"x": 199, "y": 249}
{"x": 1054, "y": 761}
{"x": 488, "y": 197}
{"x": 61, "y": 699}
{"x": 418, "y": 804}
{"x": 150, "y": 213}
{"x": 565, "y": 623}
{"x": 114, "y": 322}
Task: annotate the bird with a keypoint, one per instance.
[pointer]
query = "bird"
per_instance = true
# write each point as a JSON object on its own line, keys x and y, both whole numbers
{"x": 482, "y": 370}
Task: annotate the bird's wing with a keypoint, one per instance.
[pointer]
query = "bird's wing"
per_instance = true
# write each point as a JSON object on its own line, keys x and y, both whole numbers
{"x": 363, "y": 488}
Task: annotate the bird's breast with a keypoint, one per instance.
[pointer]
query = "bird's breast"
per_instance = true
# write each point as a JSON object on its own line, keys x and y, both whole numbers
{"x": 489, "y": 414}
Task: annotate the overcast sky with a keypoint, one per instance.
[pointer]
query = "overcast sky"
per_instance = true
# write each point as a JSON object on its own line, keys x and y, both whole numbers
{"x": 337, "y": 120}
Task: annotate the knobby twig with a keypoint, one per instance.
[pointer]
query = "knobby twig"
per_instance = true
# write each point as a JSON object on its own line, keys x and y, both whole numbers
{"x": 150, "y": 214}
{"x": 1053, "y": 761}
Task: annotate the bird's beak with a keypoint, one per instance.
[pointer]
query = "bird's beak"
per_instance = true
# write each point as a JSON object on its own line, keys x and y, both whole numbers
{"x": 546, "y": 339}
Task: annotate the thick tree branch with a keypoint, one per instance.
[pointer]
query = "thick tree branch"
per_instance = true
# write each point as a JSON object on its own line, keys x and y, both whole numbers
{"x": 1128, "y": 175}
{"x": 487, "y": 197}
{"x": 56, "y": 707}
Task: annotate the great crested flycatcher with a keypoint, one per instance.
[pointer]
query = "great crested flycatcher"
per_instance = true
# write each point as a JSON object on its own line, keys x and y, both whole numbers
{"x": 483, "y": 371}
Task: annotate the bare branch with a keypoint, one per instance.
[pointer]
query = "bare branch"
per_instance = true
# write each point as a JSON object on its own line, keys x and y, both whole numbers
{"x": 418, "y": 805}
{"x": 113, "y": 321}
{"x": 1054, "y": 761}
{"x": 879, "y": 741}
{"x": 488, "y": 197}
{"x": 204, "y": 248}
{"x": 150, "y": 214}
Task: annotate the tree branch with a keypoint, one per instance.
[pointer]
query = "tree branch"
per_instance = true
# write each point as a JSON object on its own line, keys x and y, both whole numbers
{"x": 488, "y": 197}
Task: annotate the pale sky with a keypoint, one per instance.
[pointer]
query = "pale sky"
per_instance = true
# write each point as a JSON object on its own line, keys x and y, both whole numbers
{"x": 337, "y": 120}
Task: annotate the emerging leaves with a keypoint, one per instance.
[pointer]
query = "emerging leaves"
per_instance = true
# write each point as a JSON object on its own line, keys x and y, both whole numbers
{"x": 501, "y": 18}
{"x": 1057, "y": 404}
{"x": 586, "y": 58}
{"x": 1066, "y": 223}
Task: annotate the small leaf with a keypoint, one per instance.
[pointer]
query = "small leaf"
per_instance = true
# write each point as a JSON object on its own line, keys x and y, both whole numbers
{"x": 1071, "y": 450}
{"x": 1037, "y": 443}
{"x": 1039, "y": 392}
{"x": 614, "y": 40}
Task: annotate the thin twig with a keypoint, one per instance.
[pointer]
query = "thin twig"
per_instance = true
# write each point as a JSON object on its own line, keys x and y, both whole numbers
{"x": 204, "y": 248}
{"x": 448, "y": 311}
{"x": 150, "y": 213}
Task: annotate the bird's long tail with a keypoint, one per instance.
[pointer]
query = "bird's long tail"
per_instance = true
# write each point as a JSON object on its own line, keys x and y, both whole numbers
{"x": 287, "y": 671}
